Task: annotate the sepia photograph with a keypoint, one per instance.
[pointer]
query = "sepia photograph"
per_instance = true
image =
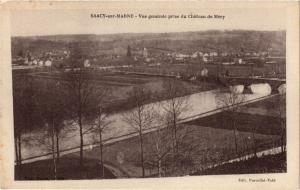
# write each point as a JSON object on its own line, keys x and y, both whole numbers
{"x": 149, "y": 93}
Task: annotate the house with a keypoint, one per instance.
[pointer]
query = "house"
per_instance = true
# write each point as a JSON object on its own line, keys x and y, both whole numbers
{"x": 35, "y": 62}
{"x": 86, "y": 63}
{"x": 41, "y": 63}
{"x": 213, "y": 54}
{"x": 145, "y": 53}
{"x": 197, "y": 54}
{"x": 224, "y": 54}
{"x": 148, "y": 60}
{"x": 48, "y": 63}
{"x": 204, "y": 72}
{"x": 180, "y": 55}
{"x": 205, "y": 57}
{"x": 238, "y": 60}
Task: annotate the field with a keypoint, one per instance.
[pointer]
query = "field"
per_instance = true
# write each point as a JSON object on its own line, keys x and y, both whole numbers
{"x": 245, "y": 122}
{"x": 120, "y": 84}
{"x": 262, "y": 117}
{"x": 68, "y": 168}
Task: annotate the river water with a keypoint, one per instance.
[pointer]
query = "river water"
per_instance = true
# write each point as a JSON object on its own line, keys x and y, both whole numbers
{"x": 198, "y": 103}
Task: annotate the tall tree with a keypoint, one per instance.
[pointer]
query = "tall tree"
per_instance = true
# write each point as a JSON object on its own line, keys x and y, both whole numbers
{"x": 279, "y": 105}
{"x": 128, "y": 51}
{"x": 80, "y": 87}
{"x": 140, "y": 117}
{"x": 24, "y": 101}
{"x": 52, "y": 109}
{"x": 161, "y": 147}
{"x": 176, "y": 103}
{"x": 229, "y": 103}
{"x": 102, "y": 121}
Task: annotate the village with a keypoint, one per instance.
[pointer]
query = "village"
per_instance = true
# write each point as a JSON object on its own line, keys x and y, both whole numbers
{"x": 145, "y": 111}
{"x": 152, "y": 57}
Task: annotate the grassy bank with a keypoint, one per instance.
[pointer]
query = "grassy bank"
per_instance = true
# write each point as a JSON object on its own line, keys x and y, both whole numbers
{"x": 67, "y": 168}
{"x": 266, "y": 164}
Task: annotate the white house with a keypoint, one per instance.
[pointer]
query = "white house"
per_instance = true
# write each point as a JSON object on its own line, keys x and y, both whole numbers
{"x": 213, "y": 54}
{"x": 41, "y": 63}
{"x": 145, "y": 53}
{"x": 34, "y": 62}
{"x": 205, "y": 57}
{"x": 86, "y": 63}
{"x": 48, "y": 63}
{"x": 197, "y": 54}
{"x": 204, "y": 72}
{"x": 180, "y": 55}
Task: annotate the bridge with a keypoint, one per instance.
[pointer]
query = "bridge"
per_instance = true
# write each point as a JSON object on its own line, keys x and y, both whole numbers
{"x": 246, "y": 81}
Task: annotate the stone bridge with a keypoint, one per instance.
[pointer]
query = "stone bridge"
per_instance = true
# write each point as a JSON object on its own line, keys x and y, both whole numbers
{"x": 246, "y": 81}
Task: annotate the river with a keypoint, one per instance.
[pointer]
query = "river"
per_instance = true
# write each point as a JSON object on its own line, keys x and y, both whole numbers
{"x": 198, "y": 103}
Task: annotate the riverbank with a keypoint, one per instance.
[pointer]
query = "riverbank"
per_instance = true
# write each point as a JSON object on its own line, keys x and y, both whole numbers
{"x": 214, "y": 145}
{"x": 199, "y": 103}
{"x": 265, "y": 164}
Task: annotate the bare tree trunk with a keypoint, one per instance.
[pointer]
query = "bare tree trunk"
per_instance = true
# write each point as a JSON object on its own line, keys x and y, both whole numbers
{"x": 20, "y": 146}
{"x": 282, "y": 140}
{"x": 254, "y": 144}
{"x": 53, "y": 151}
{"x": 175, "y": 132}
{"x": 81, "y": 143}
{"x": 235, "y": 139}
{"x": 16, "y": 151}
{"x": 101, "y": 153}
{"x": 159, "y": 167}
{"x": 175, "y": 148}
{"x": 142, "y": 154}
{"x": 57, "y": 147}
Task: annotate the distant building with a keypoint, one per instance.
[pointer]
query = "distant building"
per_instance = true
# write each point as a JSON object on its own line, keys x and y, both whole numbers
{"x": 205, "y": 57}
{"x": 86, "y": 63}
{"x": 204, "y": 72}
{"x": 181, "y": 56}
{"x": 145, "y": 53}
{"x": 212, "y": 54}
{"x": 41, "y": 63}
{"x": 224, "y": 54}
{"x": 148, "y": 59}
{"x": 34, "y": 62}
{"x": 48, "y": 63}
{"x": 197, "y": 54}
{"x": 238, "y": 60}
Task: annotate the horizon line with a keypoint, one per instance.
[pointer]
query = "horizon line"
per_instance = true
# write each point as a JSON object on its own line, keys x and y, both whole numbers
{"x": 98, "y": 34}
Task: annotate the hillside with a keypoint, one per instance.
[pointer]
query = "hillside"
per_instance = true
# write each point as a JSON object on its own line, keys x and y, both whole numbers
{"x": 186, "y": 42}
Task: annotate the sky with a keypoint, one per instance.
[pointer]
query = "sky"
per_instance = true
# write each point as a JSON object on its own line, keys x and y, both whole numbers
{"x": 52, "y": 22}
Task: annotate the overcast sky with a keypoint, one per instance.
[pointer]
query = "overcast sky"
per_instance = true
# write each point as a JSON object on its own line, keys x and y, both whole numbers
{"x": 50, "y": 22}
